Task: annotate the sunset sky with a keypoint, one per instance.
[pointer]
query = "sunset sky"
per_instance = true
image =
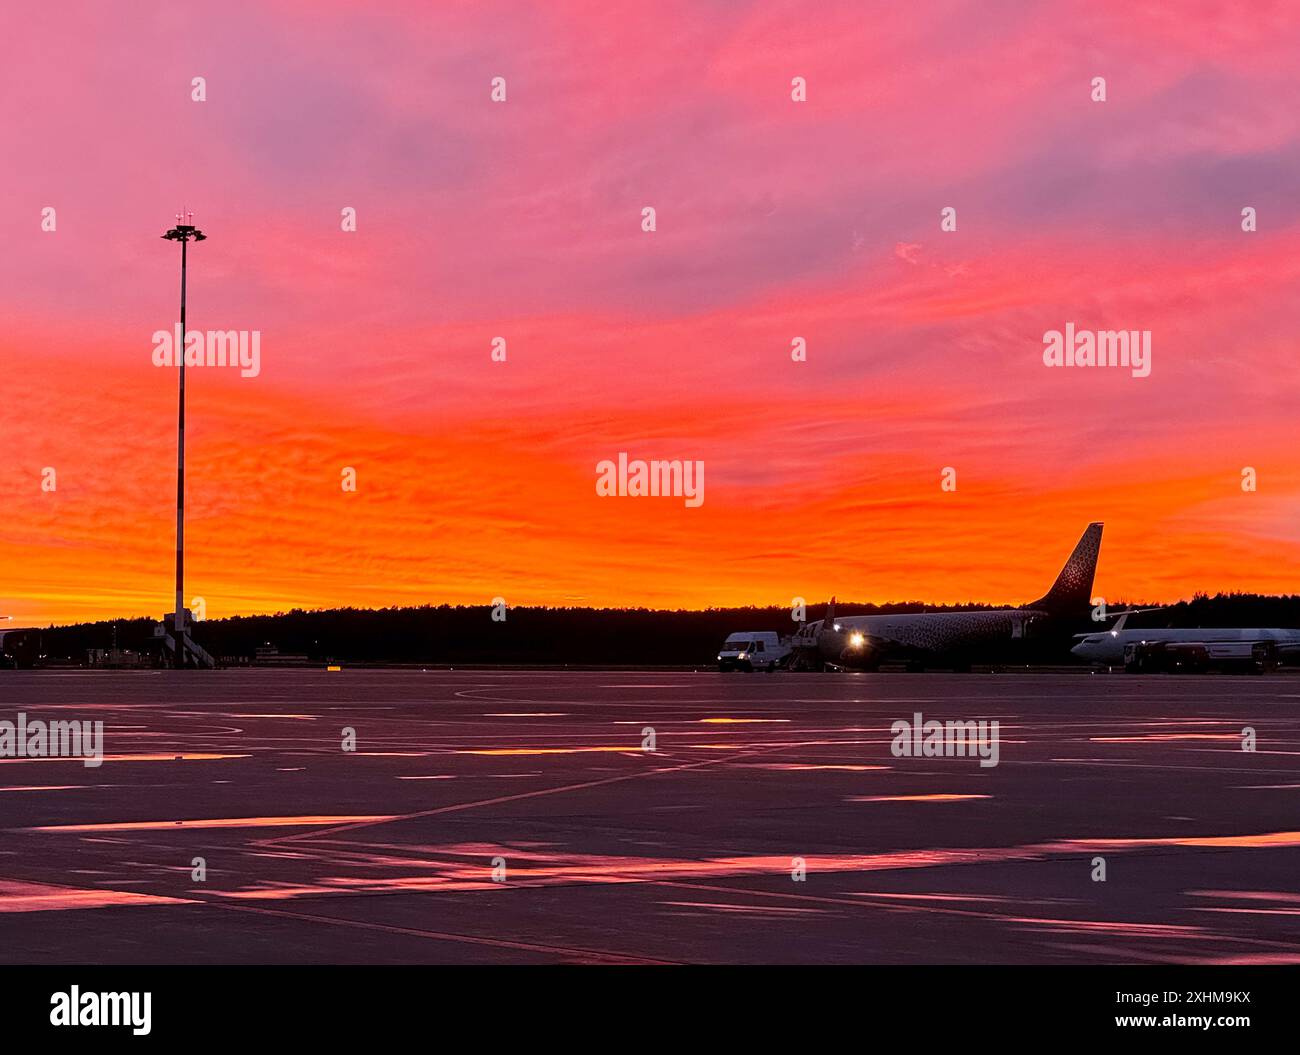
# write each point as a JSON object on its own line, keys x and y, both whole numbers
{"x": 775, "y": 219}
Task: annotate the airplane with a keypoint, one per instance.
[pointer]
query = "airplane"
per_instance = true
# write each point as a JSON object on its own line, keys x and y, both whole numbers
{"x": 949, "y": 639}
{"x": 1224, "y": 644}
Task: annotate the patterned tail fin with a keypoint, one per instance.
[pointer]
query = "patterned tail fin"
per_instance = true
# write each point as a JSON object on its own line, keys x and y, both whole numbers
{"x": 1071, "y": 594}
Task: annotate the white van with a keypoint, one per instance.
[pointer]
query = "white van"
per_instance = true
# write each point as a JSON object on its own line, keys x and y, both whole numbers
{"x": 753, "y": 650}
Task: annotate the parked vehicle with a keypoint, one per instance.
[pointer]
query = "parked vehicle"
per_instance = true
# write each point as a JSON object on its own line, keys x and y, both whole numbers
{"x": 1195, "y": 657}
{"x": 751, "y": 650}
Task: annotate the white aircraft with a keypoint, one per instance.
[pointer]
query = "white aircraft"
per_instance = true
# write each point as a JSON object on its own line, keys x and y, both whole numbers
{"x": 1221, "y": 644}
{"x": 951, "y": 639}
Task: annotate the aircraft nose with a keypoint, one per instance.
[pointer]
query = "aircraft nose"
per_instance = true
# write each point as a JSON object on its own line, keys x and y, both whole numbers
{"x": 1081, "y": 649}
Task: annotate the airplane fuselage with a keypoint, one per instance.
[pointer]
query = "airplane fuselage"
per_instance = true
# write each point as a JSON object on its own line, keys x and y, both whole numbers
{"x": 865, "y": 641}
{"x": 1108, "y": 646}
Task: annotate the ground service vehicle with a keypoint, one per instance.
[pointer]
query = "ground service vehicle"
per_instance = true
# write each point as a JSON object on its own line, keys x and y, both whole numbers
{"x": 751, "y": 650}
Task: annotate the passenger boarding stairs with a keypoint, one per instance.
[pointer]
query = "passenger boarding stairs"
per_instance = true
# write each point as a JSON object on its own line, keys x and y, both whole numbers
{"x": 189, "y": 653}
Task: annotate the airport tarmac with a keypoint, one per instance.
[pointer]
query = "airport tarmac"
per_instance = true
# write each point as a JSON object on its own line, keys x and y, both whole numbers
{"x": 610, "y": 853}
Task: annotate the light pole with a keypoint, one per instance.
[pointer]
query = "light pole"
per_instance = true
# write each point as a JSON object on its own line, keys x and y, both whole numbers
{"x": 182, "y": 233}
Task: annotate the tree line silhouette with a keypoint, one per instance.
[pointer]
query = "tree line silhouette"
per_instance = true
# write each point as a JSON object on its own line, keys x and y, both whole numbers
{"x": 447, "y": 635}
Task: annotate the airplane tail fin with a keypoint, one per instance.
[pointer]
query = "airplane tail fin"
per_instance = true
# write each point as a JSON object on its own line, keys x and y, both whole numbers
{"x": 1071, "y": 594}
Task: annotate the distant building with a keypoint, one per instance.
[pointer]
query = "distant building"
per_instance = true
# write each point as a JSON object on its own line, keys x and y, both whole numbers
{"x": 20, "y": 648}
{"x": 269, "y": 656}
{"x": 117, "y": 659}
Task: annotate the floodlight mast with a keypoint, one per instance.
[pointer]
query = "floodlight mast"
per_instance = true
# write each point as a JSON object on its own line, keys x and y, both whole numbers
{"x": 183, "y": 233}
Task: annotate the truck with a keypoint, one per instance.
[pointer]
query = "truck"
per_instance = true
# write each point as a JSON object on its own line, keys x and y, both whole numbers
{"x": 1195, "y": 657}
